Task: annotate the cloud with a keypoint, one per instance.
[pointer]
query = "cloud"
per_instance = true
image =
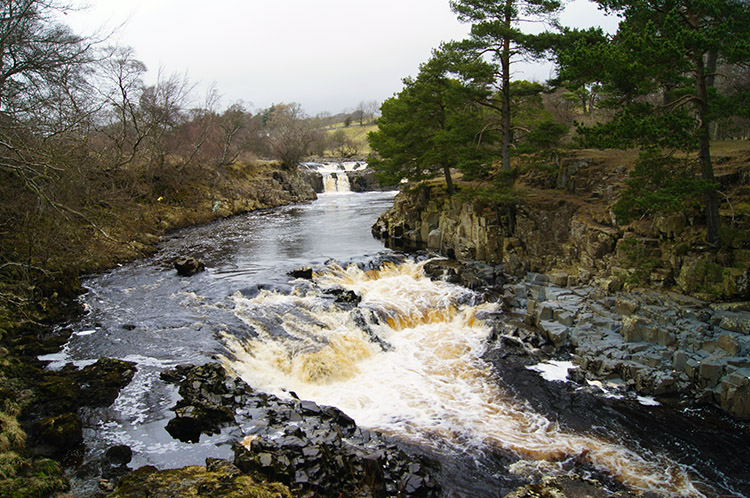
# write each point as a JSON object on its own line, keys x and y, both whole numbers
{"x": 327, "y": 55}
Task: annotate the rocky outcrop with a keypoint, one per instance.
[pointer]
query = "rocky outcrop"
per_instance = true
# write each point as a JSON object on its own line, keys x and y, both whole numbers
{"x": 273, "y": 188}
{"x": 363, "y": 181}
{"x": 187, "y": 267}
{"x": 522, "y": 237}
{"x": 564, "y": 223}
{"x": 313, "y": 450}
{"x": 651, "y": 342}
{"x": 218, "y": 479}
{"x": 314, "y": 179}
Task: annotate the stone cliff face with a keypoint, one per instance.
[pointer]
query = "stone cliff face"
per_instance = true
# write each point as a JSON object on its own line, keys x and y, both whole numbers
{"x": 564, "y": 224}
{"x": 571, "y": 261}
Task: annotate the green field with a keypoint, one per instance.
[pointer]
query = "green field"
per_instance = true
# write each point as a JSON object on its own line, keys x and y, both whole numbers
{"x": 356, "y": 133}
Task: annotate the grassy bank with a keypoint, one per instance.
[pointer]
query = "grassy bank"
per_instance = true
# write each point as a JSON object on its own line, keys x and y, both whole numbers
{"x": 88, "y": 227}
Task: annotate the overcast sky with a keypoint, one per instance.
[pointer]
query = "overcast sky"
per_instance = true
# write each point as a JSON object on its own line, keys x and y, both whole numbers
{"x": 327, "y": 55}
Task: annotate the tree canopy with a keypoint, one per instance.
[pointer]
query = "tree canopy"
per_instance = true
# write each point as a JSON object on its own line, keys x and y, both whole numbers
{"x": 432, "y": 125}
{"x": 496, "y": 32}
{"x": 659, "y": 71}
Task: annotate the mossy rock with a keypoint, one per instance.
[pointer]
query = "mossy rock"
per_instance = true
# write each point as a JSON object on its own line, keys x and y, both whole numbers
{"x": 37, "y": 479}
{"x": 60, "y": 390}
{"x": 704, "y": 278}
{"x": 65, "y": 432}
{"x": 101, "y": 382}
{"x": 219, "y": 479}
{"x": 566, "y": 487}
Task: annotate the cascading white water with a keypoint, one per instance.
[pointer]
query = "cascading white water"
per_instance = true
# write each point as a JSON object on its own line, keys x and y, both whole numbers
{"x": 408, "y": 362}
{"x": 337, "y": 181}
{"x": 335, "y": 175}
{"x": 343, "y": 182}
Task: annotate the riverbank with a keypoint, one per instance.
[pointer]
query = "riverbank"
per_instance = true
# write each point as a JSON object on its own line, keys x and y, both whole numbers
{"x": 531, "y": 343}
{"x": 40, "y": 410}
{"x": 562, "y": 220}
{"x": 641, "y": 303}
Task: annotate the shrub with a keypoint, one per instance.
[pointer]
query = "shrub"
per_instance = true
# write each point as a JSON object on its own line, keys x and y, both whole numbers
{"x": 660, "y": 184}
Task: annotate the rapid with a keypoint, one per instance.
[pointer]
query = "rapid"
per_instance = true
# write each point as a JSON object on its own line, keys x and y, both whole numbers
{"x": 404, "y": 356}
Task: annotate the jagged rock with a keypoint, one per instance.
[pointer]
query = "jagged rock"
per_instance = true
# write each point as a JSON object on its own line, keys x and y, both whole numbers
{"x": 305, "y": 272}
{"x": 322, "y": 451}
{"x": 735, "y": 394}
{"x": 344, "y": 296}
{"x": 187, "y": 267}
{"x": 206, "y": 404}
{"x": 557, "y": 333}
{"x": 657, "y": 343}
{"x": 710, "y": 371}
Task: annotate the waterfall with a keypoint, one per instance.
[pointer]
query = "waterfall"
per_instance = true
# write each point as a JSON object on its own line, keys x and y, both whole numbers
{"x": 343, "y": 182}
{"x": 407, "y": 361}
{"x": 335, "y": 181}
{"x": 335, "y": 175}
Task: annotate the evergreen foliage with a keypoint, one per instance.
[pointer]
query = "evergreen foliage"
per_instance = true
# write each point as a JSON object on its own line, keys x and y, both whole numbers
{"x": 496, "y": 31}
{"x": 660, "y": 184}
{"x": 659, "y": 72}
{"x": 432, "y": 126}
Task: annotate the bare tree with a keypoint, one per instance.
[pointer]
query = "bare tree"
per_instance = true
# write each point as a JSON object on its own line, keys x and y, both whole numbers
{"x": 371, "y": 108}
{"x": 163, "y": 105}
{"x": 36, "y": 53}
{"x": 360, "y": 112}
{"x": 121, "y": 88}
{"x": 290, "y": 133}
{"x": 232, "y": 122}
{"x": 41, "y": 64}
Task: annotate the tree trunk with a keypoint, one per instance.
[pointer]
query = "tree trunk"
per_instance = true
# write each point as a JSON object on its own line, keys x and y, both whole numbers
{"x": 704, "y": 154}
{"x": 505, "y": 68}
{"x": 448, "y": 179}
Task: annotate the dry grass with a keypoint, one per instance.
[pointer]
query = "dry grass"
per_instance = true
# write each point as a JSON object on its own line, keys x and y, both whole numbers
{"x": 355, "y": 133}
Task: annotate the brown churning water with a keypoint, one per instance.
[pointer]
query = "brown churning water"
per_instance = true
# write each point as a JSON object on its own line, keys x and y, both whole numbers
{"x": 430, "y": 386}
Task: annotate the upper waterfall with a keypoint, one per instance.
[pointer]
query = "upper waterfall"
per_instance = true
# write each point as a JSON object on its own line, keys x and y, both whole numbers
{"x": 334, "y": 175}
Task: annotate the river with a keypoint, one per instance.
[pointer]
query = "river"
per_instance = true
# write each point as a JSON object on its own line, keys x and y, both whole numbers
{"x": 407, "y": 360}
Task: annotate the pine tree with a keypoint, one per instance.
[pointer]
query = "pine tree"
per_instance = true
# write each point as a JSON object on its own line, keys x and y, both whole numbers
{"x": 496, "y": 31}
{"x": 669, "y": 49}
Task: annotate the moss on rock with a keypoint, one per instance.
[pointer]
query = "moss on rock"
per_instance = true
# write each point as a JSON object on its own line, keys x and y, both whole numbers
{"x": 32, "y": 479}
{"x": 218, "y": 479}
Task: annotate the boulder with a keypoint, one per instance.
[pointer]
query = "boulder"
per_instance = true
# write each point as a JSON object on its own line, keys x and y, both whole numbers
{"x": 187, "y": 267}
{"x": 557, "y": 333}
{"x": 735, "y": 394}
{"x": 218, "y": 479}
{"x": 101, "y": 382}
{"x": 120, "y": 454}
{"x": 305, "y": 272}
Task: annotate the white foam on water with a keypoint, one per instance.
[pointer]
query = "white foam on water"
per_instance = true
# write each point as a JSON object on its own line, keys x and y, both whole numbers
{"x": 429, "y": 384}
{"x": 554, "y": 370}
